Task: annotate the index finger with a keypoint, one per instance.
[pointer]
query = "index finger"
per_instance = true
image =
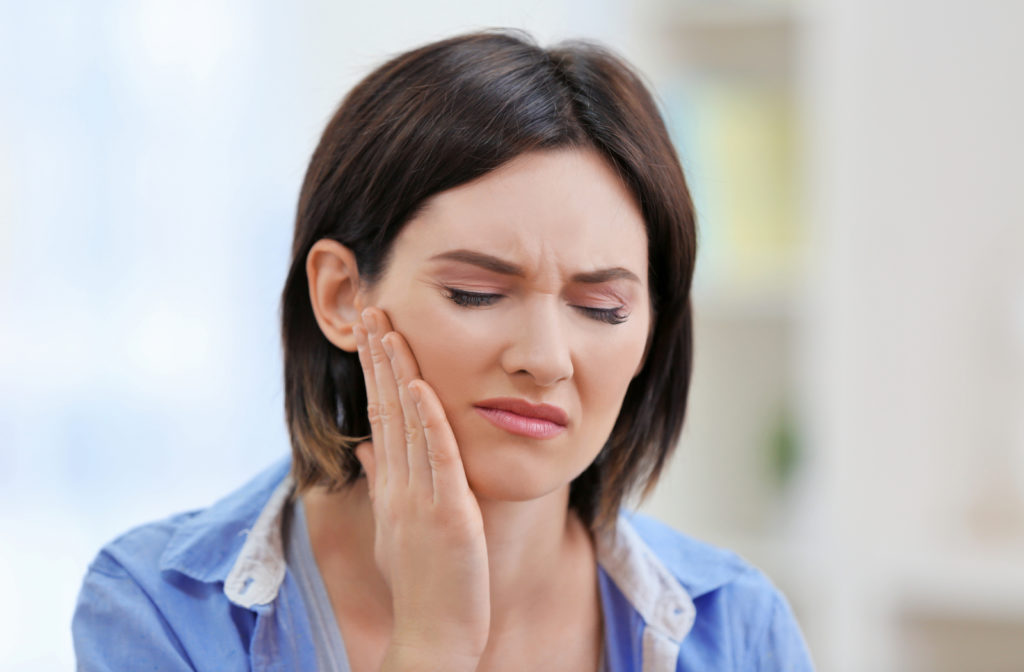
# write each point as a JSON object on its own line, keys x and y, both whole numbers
{"x": 389, "y": 405}
{"x": 376, "y": 431}
{"x": 406, "y": 370}
{"x": 446, "y": 469}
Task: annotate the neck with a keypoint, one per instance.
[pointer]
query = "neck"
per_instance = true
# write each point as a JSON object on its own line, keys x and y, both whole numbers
{"x": 530, "y": 548}
{"x": 530, "y": 545}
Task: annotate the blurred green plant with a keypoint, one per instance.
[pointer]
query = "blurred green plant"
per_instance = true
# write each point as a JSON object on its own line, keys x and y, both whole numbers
{"x": 784, "y": 449}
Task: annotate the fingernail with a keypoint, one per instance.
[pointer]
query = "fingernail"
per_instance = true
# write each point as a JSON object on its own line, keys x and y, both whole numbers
{"x": 414, "y": 392}
{"x": 371, "y": 324}
{"x": 388, "y": 348}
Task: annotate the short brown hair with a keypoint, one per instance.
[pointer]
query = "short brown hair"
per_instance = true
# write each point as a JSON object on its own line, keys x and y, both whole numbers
{"x": 440, "y": 116}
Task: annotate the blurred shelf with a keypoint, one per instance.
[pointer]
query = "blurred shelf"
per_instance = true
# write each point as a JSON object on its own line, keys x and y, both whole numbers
{"x": 980, "y": 583}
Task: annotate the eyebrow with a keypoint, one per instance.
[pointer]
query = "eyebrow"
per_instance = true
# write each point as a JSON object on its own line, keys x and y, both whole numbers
{"x": 497, "y": 265}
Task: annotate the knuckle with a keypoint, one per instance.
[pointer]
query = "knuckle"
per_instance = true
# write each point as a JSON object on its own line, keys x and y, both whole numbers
{"x": 387, "y": 410}
{"x": 440, "y": 458}
{"x": 412, "y": 434}
{"x": 373, "y": 413}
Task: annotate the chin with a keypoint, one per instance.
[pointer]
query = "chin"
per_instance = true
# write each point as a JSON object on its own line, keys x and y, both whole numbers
{"x": 515, "y": 474}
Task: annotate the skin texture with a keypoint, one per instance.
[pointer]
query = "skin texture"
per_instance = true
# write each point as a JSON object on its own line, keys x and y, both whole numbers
{"x": 476, "y": 562}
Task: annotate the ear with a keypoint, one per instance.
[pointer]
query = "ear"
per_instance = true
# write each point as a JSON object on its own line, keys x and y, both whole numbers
{"x": 333, "y": 279}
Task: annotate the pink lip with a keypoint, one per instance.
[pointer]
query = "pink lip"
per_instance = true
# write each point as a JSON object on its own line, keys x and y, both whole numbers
{"x": 518, "y": 416}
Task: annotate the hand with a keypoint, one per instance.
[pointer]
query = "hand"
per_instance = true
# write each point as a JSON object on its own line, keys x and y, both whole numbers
{"x": 429, "y": 543}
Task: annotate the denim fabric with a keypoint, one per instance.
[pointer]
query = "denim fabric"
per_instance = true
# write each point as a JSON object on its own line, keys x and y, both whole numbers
{"x": 210, "y": 590}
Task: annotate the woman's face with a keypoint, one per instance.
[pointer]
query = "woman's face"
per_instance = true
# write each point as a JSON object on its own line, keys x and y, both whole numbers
{"x": 527, "y": 284}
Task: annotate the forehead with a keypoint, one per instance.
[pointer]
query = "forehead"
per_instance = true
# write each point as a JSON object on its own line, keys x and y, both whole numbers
{"x": 564, "y": 207}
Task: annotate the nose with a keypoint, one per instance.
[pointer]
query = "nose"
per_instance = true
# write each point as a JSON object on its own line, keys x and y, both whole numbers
{"x": 538, "y": 346}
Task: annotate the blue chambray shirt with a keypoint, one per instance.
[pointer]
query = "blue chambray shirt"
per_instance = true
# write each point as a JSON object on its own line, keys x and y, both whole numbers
{"x": 210, "y": 590}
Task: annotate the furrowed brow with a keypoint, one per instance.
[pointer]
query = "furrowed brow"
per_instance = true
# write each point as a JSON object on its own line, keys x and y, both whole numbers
{"x": 604, "y": 275}
{"x": 485, "y": 261}
{"x": 497, "y": 265}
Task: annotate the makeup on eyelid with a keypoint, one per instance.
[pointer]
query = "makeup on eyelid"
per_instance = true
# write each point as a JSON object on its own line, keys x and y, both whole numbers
{"x": 610, "y": 315}
{"x": 602, "y": 296}
{"x": 614, "y": 283}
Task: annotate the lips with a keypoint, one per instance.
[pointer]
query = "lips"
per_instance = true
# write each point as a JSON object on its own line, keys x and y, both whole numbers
{"x": 518, "y": 416}
{"x": 526, "y": 409}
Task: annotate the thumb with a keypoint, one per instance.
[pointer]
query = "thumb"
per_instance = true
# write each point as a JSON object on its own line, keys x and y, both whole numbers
{"x": 364, "y": 453}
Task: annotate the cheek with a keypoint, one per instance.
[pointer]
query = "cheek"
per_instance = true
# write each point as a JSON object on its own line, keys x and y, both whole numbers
{"x": 442, "y": 347}
{"x": 608, "y": 369}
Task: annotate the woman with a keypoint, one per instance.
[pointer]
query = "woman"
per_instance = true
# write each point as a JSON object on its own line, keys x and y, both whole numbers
{"x": 487, "y": 342}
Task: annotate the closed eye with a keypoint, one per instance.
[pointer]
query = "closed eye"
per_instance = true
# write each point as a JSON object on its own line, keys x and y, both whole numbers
{"x": 609, "y": 315}
{"x": 471, "y": 299}
{"x": 466, "y": 299}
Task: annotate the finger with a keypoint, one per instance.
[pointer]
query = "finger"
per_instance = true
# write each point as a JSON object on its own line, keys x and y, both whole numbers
{"x": 365, "y": 454}
{"x": 389, "y": 405}
{"x": 372, "y": 409}
{"x": 406, "y": 370}
{"x": 446, "y": 468}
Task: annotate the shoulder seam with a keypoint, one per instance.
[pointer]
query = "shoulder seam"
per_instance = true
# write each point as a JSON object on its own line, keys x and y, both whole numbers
{"x": 116, "y": 572}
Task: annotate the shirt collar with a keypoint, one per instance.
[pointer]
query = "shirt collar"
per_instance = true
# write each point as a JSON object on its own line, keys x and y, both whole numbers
{"x": 239, "y": 541}
{"x": 645, "y": 582}
{"x": 208, "y": 543}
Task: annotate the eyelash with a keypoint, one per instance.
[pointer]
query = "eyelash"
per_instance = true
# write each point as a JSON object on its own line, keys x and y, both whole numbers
{"x": 479, "y": 300}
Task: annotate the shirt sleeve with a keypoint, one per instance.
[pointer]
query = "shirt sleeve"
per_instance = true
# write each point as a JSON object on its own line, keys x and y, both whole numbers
{"x": 116, "y": 626}
{"x": 781, "y": 647}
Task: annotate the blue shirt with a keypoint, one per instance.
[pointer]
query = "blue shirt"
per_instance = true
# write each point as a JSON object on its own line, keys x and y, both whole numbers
{"x": 211, "y": 590}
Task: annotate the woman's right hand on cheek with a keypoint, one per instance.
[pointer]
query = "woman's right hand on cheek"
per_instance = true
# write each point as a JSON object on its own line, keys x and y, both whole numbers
{"x": 429, "y": 542}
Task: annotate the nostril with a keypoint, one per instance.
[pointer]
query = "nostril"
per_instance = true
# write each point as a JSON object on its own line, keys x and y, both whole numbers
{"x": 538, "y": 347}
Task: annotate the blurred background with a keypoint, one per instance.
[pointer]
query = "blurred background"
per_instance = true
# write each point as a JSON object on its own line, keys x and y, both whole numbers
{"x": 857, "y": 417}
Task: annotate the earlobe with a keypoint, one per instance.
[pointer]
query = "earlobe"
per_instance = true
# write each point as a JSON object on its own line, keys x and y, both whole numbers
{"x": 333, "y": 278}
